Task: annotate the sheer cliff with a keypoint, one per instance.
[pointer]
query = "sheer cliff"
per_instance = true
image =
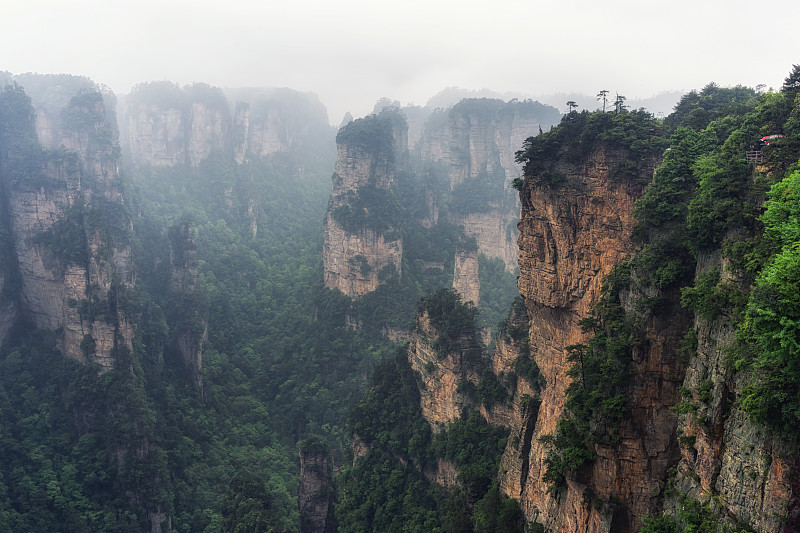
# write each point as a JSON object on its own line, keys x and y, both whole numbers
{"x": 68, "y": 232}
{"x": 656, "y": 339}
{"x": 571, "y": 237}
{"x": 475, "y": 141}
{"x": 384, "y": 229}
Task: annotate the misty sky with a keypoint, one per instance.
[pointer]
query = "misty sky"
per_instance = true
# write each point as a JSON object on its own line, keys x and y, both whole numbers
{"x": 352, "y": 52}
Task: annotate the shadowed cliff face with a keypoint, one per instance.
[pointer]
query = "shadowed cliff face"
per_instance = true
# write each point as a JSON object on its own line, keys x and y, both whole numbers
{"x": 70, "y": 241}
{"x": 723, "y": 451}
{"x": 315, "y": 492}
{"x": 571, "y": 236}
{"x": 442, "y": 371}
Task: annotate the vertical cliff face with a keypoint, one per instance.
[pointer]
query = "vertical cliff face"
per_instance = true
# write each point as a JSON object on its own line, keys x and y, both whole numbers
{"x": 571, "y": 236}
{"x": 209, "y": 124}
{"x": 493, "y": 232}
{"x": 167, "y": 126}
{"x": 722, "y": 451}
{"x": 362, "y": 244}
{"x": 443, "y": 369}
{"x": 8, "y": 308}
{"x": 479, "y": 136}
{"x": 156, "y": 135}
{"x": 476, "y": 141}
{"x": 315, "y": 492}
{"x": 465, "y": 276}
{"x": 70, "y": 242}
{"x": 260, "y": 134}
{"x": 192, "y": 328}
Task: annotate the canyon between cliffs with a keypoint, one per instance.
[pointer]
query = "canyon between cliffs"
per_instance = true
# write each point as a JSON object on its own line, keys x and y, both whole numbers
{"x": 219, "y": 313}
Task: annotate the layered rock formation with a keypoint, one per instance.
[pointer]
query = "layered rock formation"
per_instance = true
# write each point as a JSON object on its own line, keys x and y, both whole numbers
{"x": 494, "y": 233}
{"x": 571, "y": 236}
{"x": 477, "y": 140}
{"x": 362, "y": 244}
{"x": 443, "y": 371}
{"x": 168, "y": 126}
{"x": 465, "y": 276}
{"x": 65, "y": 213}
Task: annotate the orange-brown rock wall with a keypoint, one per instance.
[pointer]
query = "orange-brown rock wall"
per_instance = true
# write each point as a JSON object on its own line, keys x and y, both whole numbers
{"x": 571, "y": 236}
{"x": 439, "y": 375}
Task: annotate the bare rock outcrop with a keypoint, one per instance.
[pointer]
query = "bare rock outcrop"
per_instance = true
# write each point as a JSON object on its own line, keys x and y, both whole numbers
{"x": 477, "y": 140}
{"x": 746, "y": 468}
{"x": 442, "y": 370}
{"x": 465, "y": 276}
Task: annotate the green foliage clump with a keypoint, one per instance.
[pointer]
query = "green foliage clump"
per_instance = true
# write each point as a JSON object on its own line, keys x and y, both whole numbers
{"x": 66, "y": 238}
{"x": 693, "y": 517}
{"x": 710, "y": 297}
{"x": 373, "y": 208}
{"x": 665, "y": 258}
{"x": 248, "y": 507}
{"x": 389, "y": 415}
{"x": 496, "y": 512}
{"x": 480, "y": 194}
{"x": 72, "y": 443}
{"x": 771, "y": 329}
{"x": 385, "y": 490}
{"x": 373, "y": 134}
{"x": 636, "y": 134}
{"x": 697, "y": 110}
{"x": 19, "y": 144}
{"x": 453, "y": 320}
{"x": 498, "y": 289}
{"x": 84, "y": 111}
{"x": 474, "y": 447}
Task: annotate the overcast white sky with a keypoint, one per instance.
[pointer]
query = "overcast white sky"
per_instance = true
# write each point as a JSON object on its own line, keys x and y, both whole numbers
{"x": 352, "y": 52}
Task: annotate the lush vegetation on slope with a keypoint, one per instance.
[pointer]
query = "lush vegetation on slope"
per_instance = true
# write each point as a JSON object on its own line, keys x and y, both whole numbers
{"x": 279, "y": 363}
{"x": 389, "y": 488}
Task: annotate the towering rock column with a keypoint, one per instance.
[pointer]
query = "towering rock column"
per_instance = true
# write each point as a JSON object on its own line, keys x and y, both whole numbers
{"x": 363, "y": 245}
{"x": 70, "y": 232}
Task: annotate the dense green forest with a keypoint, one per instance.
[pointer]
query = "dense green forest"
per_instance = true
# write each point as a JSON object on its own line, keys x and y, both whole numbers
{"x": 279, "y": 363}
{"x": 389, "y": 487}
{"x": 215, "y": 447}
{"x": 216, "y": 444}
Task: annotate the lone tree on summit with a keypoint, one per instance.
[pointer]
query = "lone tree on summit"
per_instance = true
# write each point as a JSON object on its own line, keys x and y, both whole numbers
{"x": 572, "y": 105}
{"x": 603, "y": 95}
{"x": 619, "y": 103}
